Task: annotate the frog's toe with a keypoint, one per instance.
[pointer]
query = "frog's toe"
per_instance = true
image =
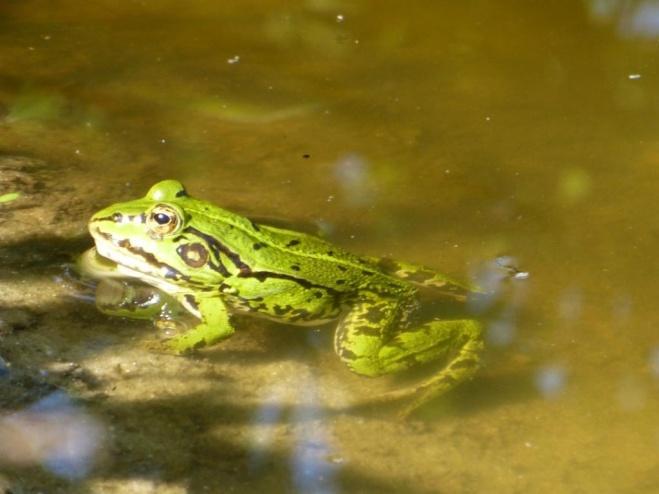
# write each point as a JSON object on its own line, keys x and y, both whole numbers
{"x": 171, "y": 346}
{"x": 184, "y": 344}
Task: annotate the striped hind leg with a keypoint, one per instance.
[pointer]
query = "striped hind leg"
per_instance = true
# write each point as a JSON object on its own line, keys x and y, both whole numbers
{"x": 370, "y": 342}
{"x": 463, "y": 364}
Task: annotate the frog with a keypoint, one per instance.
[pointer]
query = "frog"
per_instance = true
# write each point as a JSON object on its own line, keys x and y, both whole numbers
{"x": 216, "y": 263}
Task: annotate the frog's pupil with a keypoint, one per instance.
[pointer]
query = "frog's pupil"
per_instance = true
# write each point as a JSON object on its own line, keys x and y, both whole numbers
{"x": 161, "y": 218}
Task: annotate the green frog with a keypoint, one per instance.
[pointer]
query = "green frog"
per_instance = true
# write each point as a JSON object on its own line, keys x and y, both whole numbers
{"x": 215, "y": 263}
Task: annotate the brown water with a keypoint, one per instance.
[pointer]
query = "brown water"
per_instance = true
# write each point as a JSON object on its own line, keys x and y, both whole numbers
{"x": 445, "y": 133}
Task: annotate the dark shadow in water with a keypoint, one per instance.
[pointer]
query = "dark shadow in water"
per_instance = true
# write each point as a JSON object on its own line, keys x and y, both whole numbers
{"x": 477, "y": 396}
{"x": 177, "y": 440}
{"x": 484, "y": 392}
{"x": 28, "y": 258}
{"x": 209, "y": 461}
{"x": 493, "y": 391}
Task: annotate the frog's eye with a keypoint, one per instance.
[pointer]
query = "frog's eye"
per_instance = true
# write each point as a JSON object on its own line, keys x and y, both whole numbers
{"x": 163, "y": 220}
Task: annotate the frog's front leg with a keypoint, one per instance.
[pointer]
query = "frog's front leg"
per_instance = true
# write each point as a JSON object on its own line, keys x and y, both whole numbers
{"x": 214, "y": 327}
{"x": 371, "y": 342}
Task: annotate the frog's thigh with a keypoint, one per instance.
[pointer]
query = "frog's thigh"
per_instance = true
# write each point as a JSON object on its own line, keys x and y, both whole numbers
{"x": 362, "y": 332}
{"x": 370, "y": 342}
{"x": 458, "y": 342}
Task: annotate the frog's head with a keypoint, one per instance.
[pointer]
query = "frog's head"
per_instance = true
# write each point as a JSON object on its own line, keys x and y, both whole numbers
{"x": 146, "y": 237}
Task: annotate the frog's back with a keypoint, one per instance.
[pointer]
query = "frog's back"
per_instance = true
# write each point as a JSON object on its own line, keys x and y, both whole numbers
{"x": 265, "y": 249}
{"x": 320, "y": 261}
{"x": 311, "y": 247}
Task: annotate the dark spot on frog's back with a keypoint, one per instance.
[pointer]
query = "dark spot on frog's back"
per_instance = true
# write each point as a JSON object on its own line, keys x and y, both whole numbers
{"x": 374, "y": 314}
{"x": 295, "y": 267}
{"x": 347, "y": 354}
{"x": 299, "y": 315}
{"x": 366, "y": 330}
{"x": 280, "y": 311}
{"x": 258, "y": 245}
{"x": 293, "y": 243}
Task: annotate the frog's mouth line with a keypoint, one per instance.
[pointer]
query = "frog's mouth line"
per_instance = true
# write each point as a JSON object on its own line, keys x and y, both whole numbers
{"x": 133, "y": 259}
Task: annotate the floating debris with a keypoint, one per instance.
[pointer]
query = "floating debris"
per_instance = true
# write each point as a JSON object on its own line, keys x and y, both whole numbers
{"x": 521, "y": 275}
{"x": 9, "y": 197}
{"x": 508, "y": 263}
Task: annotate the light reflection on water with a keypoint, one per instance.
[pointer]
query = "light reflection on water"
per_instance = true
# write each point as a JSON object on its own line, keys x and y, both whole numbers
{"x": 551, "y": 380}
{"x": 313, "y": 470}
{"x": 634, "y": 19}
{"x": 265, "y": 418}
{"x": 55, "y": 433}
{"x": 356, "y": 180}
{"x": 314, "y": 461}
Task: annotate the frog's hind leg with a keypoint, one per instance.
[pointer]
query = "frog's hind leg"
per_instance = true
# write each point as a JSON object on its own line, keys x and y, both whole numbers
{"x": 464, "y": 361}
{"x": 424, "y": 277}
{"x": 370, "y": 342}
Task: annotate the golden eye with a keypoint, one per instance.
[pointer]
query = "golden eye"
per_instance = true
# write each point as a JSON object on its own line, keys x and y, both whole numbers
{"x": 163, "y": 220}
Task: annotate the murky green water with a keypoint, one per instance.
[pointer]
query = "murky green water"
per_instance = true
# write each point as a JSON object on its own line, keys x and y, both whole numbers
{"x": 445, "y": 133}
